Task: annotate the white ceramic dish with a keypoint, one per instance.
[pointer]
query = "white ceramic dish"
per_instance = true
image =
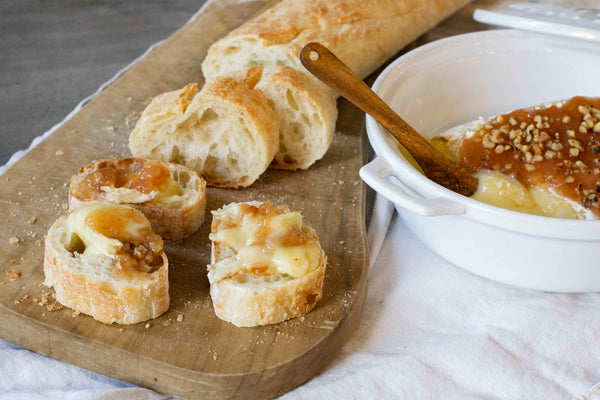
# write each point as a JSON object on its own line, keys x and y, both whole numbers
{"x": 459, "y": 79}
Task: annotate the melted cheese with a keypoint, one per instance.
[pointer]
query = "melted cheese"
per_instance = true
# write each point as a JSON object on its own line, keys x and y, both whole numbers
{"x": 504, "y": 191}
{"x": 169, "y": 194}
{"x": 266, "y": 245}
{"x": 103, "y": 228}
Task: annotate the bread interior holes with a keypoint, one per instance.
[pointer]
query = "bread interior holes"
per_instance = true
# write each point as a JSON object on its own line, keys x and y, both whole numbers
{"x": 209, "y": 115}
{"x": 183, "y": 178}
{"x": 297, "y": 131}
{"x": 230, "y": 50}
{"x": 74, "y": 244}
{"x": 290, "y": 99}
{"x": 175, "y": 156}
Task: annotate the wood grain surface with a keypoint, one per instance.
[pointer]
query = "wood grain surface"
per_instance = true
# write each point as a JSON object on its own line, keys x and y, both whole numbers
{"x": 187, "y": 352}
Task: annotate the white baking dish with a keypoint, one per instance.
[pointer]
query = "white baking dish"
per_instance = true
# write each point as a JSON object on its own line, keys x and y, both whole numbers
{"x": 455, "y": 80}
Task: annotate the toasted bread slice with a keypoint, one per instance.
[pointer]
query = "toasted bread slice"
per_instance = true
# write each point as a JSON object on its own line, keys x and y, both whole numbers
{"x": 104, "y": 260}
{"x": 227, "y": 132}
{"x": 171, "y": 196}
{"x": 307, "y": 114}
{"x": 267, "y": 266}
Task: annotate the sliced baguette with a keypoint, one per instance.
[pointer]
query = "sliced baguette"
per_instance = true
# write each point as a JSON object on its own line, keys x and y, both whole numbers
{"x": 363, "y": 34}
{"x": 172, "y": 215}
{"x": 101, "y": 285}
{"x": 247, "y": 299}
{"x": 307, "y": 114}
{"x": 227, "y": 132}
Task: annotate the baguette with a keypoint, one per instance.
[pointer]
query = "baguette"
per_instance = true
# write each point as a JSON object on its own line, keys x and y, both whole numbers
{"x": 266, "y": 265}
{"x": 363, "y": 34}
{"x": 104, "y": 260}
{"x": 307, "y": 114}
{"x": 227, "y": 132}
{"x": 171, "y": 196}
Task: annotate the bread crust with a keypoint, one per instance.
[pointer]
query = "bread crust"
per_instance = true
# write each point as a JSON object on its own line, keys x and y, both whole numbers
{"x": 167, "y": 222}
{"x": 363, "y": 34}
{"x": 307, "y": 115}
{"x": 232, "y": 152}
{"x": 79, "y": 287}
{"x": 248, "y": 300}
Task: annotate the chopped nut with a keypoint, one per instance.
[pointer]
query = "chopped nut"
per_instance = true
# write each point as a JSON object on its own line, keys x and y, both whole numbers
{"x": 499, "y": 149}
{"x": 530, "y": 167}
{"x": 597, "y": 127}
{"x": 582, "y": 128}
{"x": 571, "y": 133}
{"x": 566, "y": 119}
{"x": 550, "y": 154}
{"x": 573, "y": 152}
{"x": 512, "y": 121}
{"x": 570, "y": 179}
{"x": 580, "y": 164}
{"x": 537, "y": 158}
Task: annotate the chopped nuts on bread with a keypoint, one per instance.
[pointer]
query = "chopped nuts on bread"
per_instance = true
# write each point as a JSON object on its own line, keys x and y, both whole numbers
{"x": 104, "y": 260}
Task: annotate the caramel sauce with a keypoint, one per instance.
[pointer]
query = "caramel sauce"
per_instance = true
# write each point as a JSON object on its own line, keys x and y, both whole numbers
{"x": 145, "y": 176}
{"x": 557, "y": 147}
{"x": 263, "y": 237}
{"x": 141, "y": 249}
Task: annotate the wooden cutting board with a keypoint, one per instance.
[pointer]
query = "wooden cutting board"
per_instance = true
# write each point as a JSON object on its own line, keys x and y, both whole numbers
{"x": 187, "y": 352}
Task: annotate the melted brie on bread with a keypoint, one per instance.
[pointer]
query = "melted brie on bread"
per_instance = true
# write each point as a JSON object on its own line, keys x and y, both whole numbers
{"x": 172, "y": 197}
{"x": 104, "y": 260}
{"x": 267, "y": 265}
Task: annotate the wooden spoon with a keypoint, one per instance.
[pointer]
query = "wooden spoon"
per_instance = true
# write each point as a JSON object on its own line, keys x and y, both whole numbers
{"x": 439, "y": 168}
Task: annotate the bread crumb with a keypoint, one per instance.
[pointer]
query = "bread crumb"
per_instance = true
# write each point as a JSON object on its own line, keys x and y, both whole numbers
{"x": 38, "y": 243}
{"x": 342, "y": 242}
{"x": 14, "y": 262}
{"x": 121, "y": 330}
{"x": 76, "y": 313}
{"x": 59, "y": 152}
{"x": 13, "y": 274}
{"x": 14, "y": 240}
{"x": 214, "y": 357}
{"x": 53, "y": 307}
{"x": 32, "y": 220}
{"x": 167, "y": 322}
{"x": 180, "y": 318}
{"x": 148, "y": 326}
{"x": 44, "y": 299}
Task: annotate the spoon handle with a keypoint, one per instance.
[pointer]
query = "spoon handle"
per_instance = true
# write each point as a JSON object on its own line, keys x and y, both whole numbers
{"x": 327, "y": 67}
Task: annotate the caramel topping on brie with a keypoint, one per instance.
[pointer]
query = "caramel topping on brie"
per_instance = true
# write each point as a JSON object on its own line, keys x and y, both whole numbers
{"x": 266, "y": 241}
{"x": 129, "y": 180}
{"x": 115, "y": 231}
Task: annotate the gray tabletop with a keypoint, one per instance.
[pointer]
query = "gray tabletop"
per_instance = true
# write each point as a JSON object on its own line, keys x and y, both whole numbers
{"x": 55, "y": 53}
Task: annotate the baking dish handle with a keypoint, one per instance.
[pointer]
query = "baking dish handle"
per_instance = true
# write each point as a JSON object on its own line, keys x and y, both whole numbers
{"x": 375, "y": 174}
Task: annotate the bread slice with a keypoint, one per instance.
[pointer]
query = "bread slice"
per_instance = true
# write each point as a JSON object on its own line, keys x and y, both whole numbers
{"x": 171, "y": 196}
{"x": 227, "y": 132}
{"x": 98, "y": 267}
{"x": 307, "y": 114}
{"x": 363, "y": 34}
{"x": 246, "y": 287}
